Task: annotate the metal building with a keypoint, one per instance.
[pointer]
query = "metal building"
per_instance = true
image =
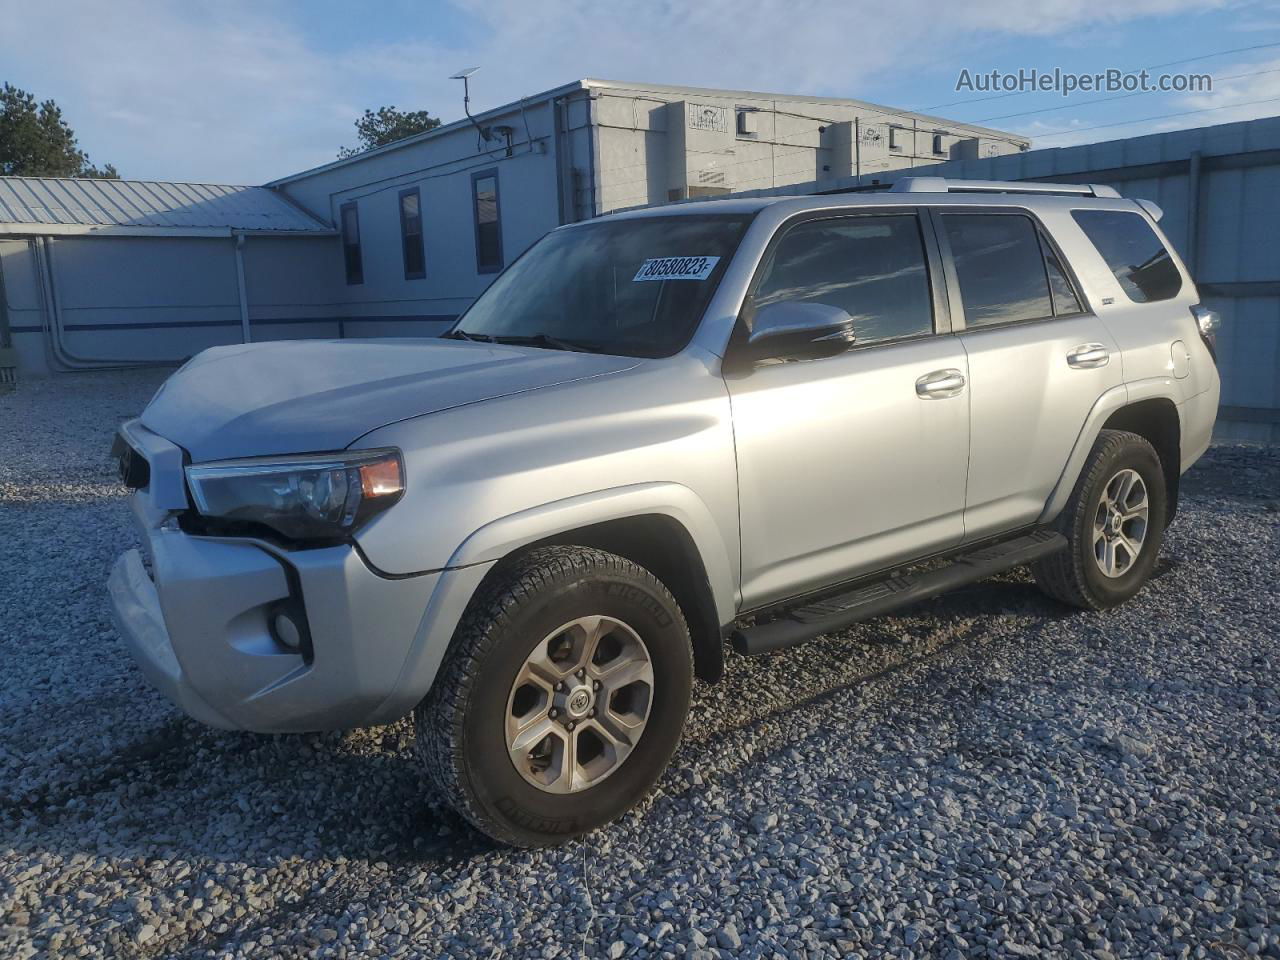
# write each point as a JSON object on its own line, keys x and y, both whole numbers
{"x": 428, "y": 220}
{"x": 99, "y": 272}
{"x": 1219, "y": 187}
{"x": 397, "y": 241}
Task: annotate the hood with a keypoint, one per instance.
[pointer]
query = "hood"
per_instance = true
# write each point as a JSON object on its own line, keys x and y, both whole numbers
{"x": 305, "y": 396}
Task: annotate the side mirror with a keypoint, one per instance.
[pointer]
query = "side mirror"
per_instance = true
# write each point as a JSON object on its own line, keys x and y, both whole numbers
{"x": 796, "y": 330}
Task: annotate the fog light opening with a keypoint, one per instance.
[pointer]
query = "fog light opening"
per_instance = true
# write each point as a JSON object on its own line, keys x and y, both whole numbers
{"x": 289, "y": 629}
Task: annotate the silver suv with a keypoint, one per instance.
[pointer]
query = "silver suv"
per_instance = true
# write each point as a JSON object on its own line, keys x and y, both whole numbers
{"x": 744, "y": 420}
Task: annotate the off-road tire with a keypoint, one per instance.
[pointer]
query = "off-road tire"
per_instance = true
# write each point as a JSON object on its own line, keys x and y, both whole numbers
{"x": 459, "y": 726}
{"x": 1072, "y": 575}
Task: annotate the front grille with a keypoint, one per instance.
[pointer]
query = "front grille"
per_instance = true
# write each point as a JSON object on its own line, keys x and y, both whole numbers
{"x": 135, "y": 472}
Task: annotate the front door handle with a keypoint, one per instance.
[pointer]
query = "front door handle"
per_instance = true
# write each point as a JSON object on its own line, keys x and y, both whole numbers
{"x": 1089, "y": 355}
{"x": 940, "y": 384}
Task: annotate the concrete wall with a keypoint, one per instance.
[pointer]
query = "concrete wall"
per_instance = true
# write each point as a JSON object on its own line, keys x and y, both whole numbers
{"x": 656, "y": 142}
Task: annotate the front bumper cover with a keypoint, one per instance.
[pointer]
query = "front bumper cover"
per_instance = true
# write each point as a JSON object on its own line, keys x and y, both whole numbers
{"x": 198, "y": 628}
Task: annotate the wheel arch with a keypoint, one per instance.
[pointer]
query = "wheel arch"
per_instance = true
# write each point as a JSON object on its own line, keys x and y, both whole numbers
{"x": 663, "y": 527}
{"x": 1156, "y": 421}
{"x": 661, "y": 545}
{"x": 1145, "y": 407}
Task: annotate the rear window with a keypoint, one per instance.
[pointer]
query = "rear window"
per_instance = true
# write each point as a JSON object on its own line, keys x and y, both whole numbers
{"x": 1133, "y": 252}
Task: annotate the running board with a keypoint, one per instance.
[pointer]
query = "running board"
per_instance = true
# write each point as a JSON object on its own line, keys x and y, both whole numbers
{"x": 894, "y": 591}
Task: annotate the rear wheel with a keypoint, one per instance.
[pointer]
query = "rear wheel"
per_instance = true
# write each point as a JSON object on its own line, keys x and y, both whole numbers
{"x": 561, "y": 698}
{"x": 1114, "y": 525}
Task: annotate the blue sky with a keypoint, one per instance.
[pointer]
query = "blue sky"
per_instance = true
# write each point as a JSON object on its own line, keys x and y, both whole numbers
{"x": 240, "y": 92}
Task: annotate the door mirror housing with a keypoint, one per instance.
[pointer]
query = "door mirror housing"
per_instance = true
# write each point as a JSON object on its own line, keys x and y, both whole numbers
{"x": 798, "y": 330}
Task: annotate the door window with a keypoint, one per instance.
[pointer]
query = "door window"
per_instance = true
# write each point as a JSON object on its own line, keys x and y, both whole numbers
{"x": 872, "y": 267}
{"x": 1000, "y": 267}
{"x": 1065, "y": 299}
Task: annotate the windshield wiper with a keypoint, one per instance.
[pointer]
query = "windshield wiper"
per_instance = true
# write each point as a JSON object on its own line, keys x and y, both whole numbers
{"x": 456, "y": 334}
{"x": 546, "y": 340}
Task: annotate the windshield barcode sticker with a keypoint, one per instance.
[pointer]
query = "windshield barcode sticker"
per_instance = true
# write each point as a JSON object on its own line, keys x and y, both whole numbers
{"x": 676, "y": 268}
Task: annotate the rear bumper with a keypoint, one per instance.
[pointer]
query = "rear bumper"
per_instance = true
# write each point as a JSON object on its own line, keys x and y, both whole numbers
{"x": 198, "y": 627}
{"x": 1197, "y": 416}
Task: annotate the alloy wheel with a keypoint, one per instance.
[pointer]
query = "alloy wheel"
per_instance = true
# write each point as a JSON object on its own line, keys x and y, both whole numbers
{"x": 1120, "y": 523}
{"x": 579, "y": 704}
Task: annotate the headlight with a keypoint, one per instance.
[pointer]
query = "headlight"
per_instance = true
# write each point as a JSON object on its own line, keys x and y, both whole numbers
{"x": 302, "y": 497}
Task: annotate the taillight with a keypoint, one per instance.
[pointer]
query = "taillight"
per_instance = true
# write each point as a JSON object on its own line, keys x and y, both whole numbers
{"x": 1208, "y": 321}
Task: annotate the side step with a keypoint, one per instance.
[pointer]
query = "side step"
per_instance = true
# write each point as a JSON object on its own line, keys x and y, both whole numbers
{"x": 894, "y": 591}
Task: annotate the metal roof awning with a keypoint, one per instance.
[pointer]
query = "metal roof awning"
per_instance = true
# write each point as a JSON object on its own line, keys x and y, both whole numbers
{"x": 46, "y": 206}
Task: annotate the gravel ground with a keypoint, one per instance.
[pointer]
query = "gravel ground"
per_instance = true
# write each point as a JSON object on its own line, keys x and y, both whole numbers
{"x": 989, "y": 775}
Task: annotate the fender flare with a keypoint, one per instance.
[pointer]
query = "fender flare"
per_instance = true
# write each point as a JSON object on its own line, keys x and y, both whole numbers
{"x": 1118, "y": 397}
{"x": 479, "y": 552}
{"x": 498, "y": 538}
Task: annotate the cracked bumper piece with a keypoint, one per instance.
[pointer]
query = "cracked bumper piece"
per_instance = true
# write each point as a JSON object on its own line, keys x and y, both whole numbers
{"x": 198, "y": 626}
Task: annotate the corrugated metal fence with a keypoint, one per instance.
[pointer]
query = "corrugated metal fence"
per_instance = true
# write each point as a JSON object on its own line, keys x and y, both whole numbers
{"x": 1220, "y": 190}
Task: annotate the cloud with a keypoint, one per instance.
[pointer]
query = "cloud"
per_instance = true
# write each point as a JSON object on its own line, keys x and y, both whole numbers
{"x": 245, "y": 92}
{"x": 1241, "y": 91}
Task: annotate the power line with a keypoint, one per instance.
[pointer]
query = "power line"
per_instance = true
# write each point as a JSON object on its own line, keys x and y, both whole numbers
{"x": 1164, "y": 116}
{"x": 1123, "y": 96}
{"x": 1154, "y": 66}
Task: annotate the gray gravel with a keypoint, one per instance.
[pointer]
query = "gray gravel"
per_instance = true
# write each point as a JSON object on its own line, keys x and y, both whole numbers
{"x": 990, "y": 775}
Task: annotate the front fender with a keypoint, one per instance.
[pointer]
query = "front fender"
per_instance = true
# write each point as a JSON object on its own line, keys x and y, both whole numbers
{"x": 477, "y": 554}
{"x": 500, "y": 537}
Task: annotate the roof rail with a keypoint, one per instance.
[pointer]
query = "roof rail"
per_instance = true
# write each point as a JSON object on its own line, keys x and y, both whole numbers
{"x": 943, "y": 185}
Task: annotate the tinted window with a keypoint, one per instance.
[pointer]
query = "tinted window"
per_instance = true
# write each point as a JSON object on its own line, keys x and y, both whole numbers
{"x": 1133, "y": 252}
{"x": 601, "y": 285}
{"x": 873, "y": 268}
{"x": 488, "y": 222}
{"x": 415, "y": 261}
{"x": 351, "y": 256}
{"x": 1000, "y": 268}
{"x": 1065, "y": 301}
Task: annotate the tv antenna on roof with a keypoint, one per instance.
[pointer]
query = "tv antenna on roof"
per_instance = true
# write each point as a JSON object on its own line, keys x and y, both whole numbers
{"x": 465, "y": 75}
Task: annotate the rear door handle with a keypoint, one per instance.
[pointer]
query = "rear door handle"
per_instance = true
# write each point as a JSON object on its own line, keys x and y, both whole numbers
{"x": 1089, "y": 355}
{"x": 940, "y": 384}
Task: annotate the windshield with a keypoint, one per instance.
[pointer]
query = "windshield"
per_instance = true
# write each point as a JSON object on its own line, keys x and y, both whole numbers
{"x": 634, "y": 287}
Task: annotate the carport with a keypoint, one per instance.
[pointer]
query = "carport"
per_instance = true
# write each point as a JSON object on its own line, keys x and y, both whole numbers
{"x": 97, "y": 273}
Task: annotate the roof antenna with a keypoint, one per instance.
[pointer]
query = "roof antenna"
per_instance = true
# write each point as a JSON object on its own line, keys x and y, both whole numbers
{"x": 464, "y": 75}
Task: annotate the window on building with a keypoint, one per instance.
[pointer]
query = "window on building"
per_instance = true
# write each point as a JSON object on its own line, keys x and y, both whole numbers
{"x": 895, "y": 138}
{"x": 351, "y": 254}
{"x": 488, "y": 217}
{"x": 1000, "y": 267}
{"x": 873, "y": 268}
{"x": 1133, "y": 252}
{"x": 415, "y": 258}
{"x": 938, "y": 148}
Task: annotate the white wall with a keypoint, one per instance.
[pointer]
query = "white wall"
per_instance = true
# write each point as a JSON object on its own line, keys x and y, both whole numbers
{"x": 796, "y": 141}
{"x": 441, "y": 168}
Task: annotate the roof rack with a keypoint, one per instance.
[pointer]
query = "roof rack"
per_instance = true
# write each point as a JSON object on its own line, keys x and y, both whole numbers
{"x": 943, "y": 185}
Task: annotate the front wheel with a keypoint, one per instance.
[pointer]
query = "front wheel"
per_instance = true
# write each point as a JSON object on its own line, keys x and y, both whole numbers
{"x": 561, "y": 699}
{"x": 1114, "y": 525}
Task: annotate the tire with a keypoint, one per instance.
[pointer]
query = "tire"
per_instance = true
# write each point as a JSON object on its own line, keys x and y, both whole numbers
{"x": 464, "y": 725}
{"x": 1076, "y": 575}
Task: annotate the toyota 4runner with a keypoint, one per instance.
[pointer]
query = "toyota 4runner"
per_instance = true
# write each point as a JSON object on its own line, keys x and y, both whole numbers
{"x": 748, "y": 420}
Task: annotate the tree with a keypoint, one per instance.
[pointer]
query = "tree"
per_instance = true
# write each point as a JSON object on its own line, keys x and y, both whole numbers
{"x": 387, "y": 125}
{"x": 36, "y": 142}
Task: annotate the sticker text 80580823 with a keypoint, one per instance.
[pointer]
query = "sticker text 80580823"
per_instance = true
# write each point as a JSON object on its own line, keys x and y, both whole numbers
{"x": 676, "y": 268}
